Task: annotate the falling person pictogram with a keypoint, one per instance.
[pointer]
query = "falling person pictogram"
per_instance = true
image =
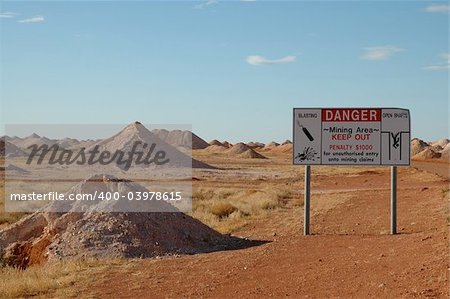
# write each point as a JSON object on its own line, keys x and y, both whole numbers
{"x": 395, "y": 139}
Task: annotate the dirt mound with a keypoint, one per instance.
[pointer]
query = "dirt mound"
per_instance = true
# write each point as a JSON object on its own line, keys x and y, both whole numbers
{"x": 6, "y": 138}
{"x": 251, "y": 154}
{"x": 136, "y": 132}
{"x": 418, "y": 145}
{"x": 33, "y": 139}
{"x": 43, "y": 235}
{"x": 242, "y": 150}
{"x": 215, "y": 142}
{"x": 284, "y": 148}
{"x": 238, "y": 148}
{"x": 255, "y": 145}
{"x": 215, "y": 149}
{"x": 69, "y": 143}
{"x": 180, "y": 138}
{"x": 272, "y": 144}
{"x": 227, "y": 144}
{"x": 198, "y": 143}
{"x": 426, "y": 154}
{"x": 445, "y": 153}
{"x": 2, "y": 147}
{"x": 442, "y": 142}
{"x": 436, "y": 148}
{"x": 8, "y": 149}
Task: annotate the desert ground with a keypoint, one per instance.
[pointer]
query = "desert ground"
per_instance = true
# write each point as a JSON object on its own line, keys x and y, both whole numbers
{"x": 350, "y": 253}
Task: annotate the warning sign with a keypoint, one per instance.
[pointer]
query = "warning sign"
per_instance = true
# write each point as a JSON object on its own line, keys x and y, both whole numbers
{"x": 351, "y": 136}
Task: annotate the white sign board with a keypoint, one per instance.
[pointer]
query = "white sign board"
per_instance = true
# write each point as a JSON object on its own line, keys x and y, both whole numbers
{"x": 351, "y": 136}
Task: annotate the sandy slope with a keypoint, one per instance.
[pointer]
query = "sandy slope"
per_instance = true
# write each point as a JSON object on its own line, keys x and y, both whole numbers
{"x": 437, "y": 167}
{"x": 349, "y": 255}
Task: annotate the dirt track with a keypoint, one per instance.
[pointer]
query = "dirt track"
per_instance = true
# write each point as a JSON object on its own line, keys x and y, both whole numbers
{"x": 350, "y": 253}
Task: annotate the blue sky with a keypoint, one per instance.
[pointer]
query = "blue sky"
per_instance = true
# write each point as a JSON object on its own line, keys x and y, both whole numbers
{"x": 234, "y": 70}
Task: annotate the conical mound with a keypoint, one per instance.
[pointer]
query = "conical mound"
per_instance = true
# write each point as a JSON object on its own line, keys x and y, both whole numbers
{"x": 442, "y": 142}
{"x": 8, "y": 149}
{"x": 251, "y": 154}
{"x": 136, "y": 132}
{"x": 33, "y": 139}
{"x": 215, "y": 142}
{"x": 44, "y": 236}
{"x": 445, "y": 153}
{"x": 2, "y": 147}
{"x": 254, "y": 145}
{"x": 272, "y": 144}
{"x": 426, "y": 154}
{"x": 179, "y": 138}
{"x": 215, "y": 149}
{"x": 284, "y": 148}
{"x": 227, "y": 144}
{"x": 418, "y": 145}
{"x": 238, "y": 148}
{"x": 69, "y": 143}
{"x": 242, "y": 150}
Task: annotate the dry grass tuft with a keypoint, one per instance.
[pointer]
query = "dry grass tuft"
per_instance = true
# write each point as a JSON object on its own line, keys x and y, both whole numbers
{"x": 222, "y": 209}
{"x": 7, "y": 218}
{"x": 46, "y": 279}
{"x": 227, "y": 209}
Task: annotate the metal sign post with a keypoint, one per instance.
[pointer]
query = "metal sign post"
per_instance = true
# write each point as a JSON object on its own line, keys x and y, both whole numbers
{"x": 393, "y": 200}
{"x": 307, "y": 198}
{"x": 351, "y": 136}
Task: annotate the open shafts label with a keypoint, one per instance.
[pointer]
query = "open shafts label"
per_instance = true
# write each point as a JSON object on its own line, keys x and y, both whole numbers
{"x": 351, "y": 136}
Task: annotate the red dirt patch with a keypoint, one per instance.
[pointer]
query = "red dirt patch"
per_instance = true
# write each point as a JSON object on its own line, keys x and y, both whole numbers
{"x": 349, "y": 255}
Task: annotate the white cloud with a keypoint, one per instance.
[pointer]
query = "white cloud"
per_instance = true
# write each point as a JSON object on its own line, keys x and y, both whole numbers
{"x": 36, "y": 19}
{"x": 260, "y": 60}
{"x": 440, "y": 66}
{"x": 380, "y": 53}
{"x": 206, "y": 4}
{"x": 7, "y": 14}
{"x": 437, "y": 67}
{"x": 438, "y": 8}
